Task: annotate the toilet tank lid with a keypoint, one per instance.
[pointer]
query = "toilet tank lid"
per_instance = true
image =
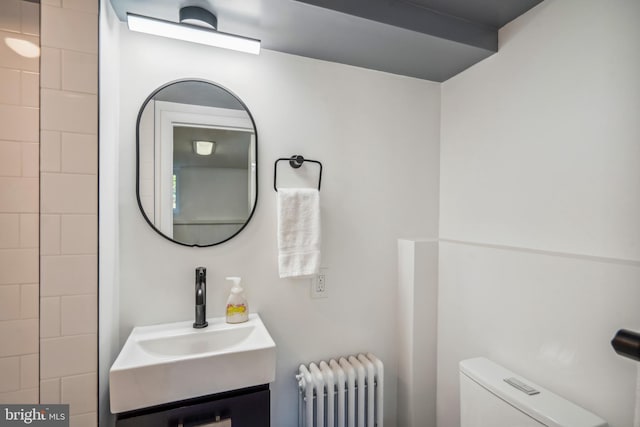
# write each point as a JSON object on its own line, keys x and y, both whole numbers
{"x": 545, "y": 407}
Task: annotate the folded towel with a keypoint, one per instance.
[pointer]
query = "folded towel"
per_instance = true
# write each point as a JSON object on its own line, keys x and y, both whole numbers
{"x": 298, "y": 232}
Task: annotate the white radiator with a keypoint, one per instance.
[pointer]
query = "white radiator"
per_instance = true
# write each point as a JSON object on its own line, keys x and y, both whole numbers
{"x": 344, "y": 393}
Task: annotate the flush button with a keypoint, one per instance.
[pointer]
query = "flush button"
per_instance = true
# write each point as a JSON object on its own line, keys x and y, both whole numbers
{"x": 521, "y": 386}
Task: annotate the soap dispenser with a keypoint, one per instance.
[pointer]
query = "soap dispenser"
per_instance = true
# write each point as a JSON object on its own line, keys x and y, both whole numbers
{"x": 237, "y": 307}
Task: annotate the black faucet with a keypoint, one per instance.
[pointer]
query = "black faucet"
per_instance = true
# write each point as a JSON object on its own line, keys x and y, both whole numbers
{"x": 201, "y": 298}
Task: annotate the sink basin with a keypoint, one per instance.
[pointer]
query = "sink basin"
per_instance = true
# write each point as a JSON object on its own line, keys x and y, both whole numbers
{"x": 171, "y": 362}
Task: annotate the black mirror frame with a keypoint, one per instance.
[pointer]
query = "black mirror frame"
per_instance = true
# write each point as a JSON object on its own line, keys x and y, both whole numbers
{"x": 255, "y": 128}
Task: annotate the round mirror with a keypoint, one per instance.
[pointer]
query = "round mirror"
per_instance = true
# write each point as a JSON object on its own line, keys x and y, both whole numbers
{"x": 197, "y": 181}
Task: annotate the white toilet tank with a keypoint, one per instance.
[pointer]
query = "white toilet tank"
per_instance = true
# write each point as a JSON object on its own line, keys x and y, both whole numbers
{"x": 488, "y": 400}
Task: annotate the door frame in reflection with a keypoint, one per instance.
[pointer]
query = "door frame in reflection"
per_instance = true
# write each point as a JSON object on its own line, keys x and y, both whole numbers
{"x": 169, "y": 115}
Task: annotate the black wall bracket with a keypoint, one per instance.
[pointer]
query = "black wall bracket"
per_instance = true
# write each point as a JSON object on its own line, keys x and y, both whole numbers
{"x": 627, "y": 344}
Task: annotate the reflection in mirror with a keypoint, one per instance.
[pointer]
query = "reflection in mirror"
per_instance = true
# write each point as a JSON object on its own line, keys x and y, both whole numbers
{"x": 197, "y": 170}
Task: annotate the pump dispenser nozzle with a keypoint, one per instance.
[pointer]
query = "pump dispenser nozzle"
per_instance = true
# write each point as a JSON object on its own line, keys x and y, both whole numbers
{"x": 236, "y": 282}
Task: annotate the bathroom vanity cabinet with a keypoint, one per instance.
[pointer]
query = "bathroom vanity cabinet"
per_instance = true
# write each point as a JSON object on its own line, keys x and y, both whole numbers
{"x": 249, "y": 407}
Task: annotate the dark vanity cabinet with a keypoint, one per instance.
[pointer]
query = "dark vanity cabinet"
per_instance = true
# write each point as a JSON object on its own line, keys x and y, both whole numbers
{"x": 247, "y": 407}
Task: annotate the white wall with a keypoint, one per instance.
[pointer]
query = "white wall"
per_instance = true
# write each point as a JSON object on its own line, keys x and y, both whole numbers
{"x": 228, "y": 185}
{"x": 147, "y": 165}
{"x": 377, "y": 135}
{"x": 206, "y": 194}
{"x": 108, "y": 334}
{"x": 417, "y": 314}
{"x": 540, "y": 252}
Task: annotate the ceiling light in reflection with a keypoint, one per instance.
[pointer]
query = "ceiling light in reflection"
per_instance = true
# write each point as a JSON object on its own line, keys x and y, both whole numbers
{"x": 23, "y": 47}
{"x": 204, "y": 148}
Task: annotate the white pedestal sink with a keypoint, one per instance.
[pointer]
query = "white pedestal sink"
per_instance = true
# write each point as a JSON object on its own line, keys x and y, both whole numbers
{"x": 171, "y": 362}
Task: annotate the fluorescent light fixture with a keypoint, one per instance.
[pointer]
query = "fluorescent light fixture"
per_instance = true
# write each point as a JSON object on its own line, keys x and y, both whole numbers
{"x": 204, "y": 148}
{"x": 192, "y": 33}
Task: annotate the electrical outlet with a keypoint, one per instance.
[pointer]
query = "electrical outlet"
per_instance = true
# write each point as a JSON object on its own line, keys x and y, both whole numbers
{"x": 319, "y": 284}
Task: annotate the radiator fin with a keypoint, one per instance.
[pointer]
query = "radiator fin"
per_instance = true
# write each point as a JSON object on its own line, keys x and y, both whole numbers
{"x": 344, "y": 393}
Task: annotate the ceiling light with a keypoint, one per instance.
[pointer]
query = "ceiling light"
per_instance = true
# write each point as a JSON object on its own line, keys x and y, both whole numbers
{"x": 204, "y": 148}
{"x": 196, "y": 25}
{"x": 23, "y": 47}
{"x": 194, "y": 15}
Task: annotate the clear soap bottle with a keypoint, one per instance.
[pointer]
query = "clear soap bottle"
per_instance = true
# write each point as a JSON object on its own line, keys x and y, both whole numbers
{"x": 237, "y": 306}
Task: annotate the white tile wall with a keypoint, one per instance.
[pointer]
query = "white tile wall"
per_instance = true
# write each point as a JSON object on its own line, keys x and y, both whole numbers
{"x": 79, "y": 153}
{"x": 29, "y": 226}
{"x": 67, "y": 356}
{"x": 18, "y": 123}
{"x": 10, "y": 374}
{"x": 49, "y": 234}
{"x": 20, "y": 396}
{"x": 30, "y": 87}
{"x": 11, "y": 59}
{"x": 50, "y": 311}
{"x": 18, "y": 266}
{"x": 19, "y": 169}
{"x": 29, "y": 371}
{"x": 67, "y": 193}
{"x": 84, "y": 420}
{"x": 78, "y": 315}
{"x": 79, "y": 392}
{"x": 18, "y": 194}
{"x": 50, "y": 391}
{"x": 66, "y": 275}
{"x": 10, "y": 154}
{"x": 9, "y": 231}
{"x": 69, "y": 207}
{"x": 57, "y": 3}
{"x": 29, "y": 301}
{"x": 30, "y": 18}
{"x": 79, "y": 234}
{"x": 68, "y": 111}
{"x": 79, "y": 71}
{"x": 9, "y": 86}
{"x": 30, "y": 159}
{"x": 70, "y": 29}
{"x": 10, "y": 15}
{"x": 50, "y": 152}
{"x": 9, "y": 302}
{"x": 51, "y": 68}
{"x": 23, "y": 336}
{"x": 82, "y": 5}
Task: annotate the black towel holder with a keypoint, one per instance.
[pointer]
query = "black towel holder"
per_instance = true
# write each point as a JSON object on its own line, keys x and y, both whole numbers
{"x": 295, "y": 162}
{"x": 627, "y": 344}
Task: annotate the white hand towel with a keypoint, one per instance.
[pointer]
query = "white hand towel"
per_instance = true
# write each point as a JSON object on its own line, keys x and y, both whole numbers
{"x": 298, "y": 232}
